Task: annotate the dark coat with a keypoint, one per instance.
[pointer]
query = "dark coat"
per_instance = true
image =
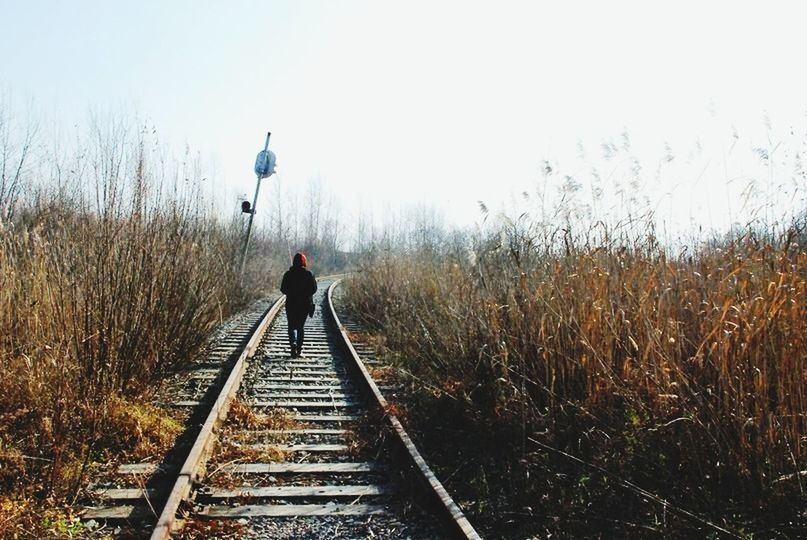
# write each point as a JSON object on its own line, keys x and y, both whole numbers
{"x": 299, "y": 286}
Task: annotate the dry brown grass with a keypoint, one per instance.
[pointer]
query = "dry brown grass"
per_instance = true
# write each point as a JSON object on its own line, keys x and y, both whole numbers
{"x": 381, "y": 374}
{"x": 229, "y": 452}
{"x": 243, "y": 416}
{"x": 107, "y": 285}
{"x": 201, "y": 529}
{"x": 683, "y": 374}
{"x": 138, "y": 431}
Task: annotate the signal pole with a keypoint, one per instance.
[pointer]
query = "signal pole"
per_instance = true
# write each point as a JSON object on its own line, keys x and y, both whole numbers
{"x": 264, "y": 168}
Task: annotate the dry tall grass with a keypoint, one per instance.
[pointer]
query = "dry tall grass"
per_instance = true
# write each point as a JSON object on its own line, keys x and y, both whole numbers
{"x": 107, "y": 284}
{"x": 585, "y": 374}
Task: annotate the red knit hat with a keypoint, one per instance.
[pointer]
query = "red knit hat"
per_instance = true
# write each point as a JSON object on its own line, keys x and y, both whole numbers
{"x": 300, "y": 260}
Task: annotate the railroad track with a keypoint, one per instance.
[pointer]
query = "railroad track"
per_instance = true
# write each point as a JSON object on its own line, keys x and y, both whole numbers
{"x": 308, "y": 449}
{"x": 133, "y": 494}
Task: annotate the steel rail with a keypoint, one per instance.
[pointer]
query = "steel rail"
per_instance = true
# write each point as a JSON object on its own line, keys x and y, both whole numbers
{"x": 451, "y": 513}
{"x": 199, "y": 452}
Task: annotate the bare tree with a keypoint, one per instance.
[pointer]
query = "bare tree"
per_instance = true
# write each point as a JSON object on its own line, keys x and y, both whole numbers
{"x": 14, "y": 155}
{"x": 314, "y": 204}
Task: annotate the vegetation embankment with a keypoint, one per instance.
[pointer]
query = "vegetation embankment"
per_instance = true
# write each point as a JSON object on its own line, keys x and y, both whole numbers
{"x": 112, "y": 275}
{"x": 589, "y": 387}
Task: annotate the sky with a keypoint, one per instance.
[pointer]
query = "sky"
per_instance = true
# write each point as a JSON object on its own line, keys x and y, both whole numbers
{"x": 443, "y": 102}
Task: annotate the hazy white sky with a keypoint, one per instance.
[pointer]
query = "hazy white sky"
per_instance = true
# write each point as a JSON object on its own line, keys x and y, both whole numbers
{"x": 450, "y": 102}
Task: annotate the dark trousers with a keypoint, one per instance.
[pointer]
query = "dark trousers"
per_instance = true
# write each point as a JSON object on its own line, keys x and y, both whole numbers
{"x": 296, "y": 328}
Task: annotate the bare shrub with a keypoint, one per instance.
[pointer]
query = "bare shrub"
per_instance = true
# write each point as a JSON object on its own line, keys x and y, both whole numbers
{"x": 110, "y": 279}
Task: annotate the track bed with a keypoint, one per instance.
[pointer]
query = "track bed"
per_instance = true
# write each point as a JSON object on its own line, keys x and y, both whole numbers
{"x": 309, "y": 459}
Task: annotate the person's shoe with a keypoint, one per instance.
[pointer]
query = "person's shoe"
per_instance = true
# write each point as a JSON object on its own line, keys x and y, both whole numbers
{"x": 300, "y": 352}
{"x": 294, "y": 352}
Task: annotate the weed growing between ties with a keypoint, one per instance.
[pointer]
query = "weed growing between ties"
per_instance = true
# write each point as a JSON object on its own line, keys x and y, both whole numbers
{"x": 241, "y": 415}
{"x": 111, "y": 278}
{"x": 201, "y": 529}
{"x": 231, "y": 451}
{"x": 608, "y": 386}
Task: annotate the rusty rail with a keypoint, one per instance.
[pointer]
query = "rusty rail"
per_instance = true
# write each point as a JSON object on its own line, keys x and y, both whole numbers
{"x": 451, "y": 513}
{"x": 199, "y": 452}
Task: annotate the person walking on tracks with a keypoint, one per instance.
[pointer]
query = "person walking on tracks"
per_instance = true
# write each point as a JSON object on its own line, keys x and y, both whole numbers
{"x": 299, "y": 286}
